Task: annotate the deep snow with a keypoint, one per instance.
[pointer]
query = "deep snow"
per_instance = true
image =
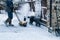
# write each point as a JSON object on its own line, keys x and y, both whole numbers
{"x": 31, "y": 32}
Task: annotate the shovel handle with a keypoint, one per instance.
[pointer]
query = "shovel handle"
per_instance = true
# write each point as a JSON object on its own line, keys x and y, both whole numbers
{"x": 17, "y": 16}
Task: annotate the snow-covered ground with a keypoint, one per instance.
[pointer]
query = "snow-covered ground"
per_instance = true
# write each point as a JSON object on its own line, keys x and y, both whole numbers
{"x": 31, "y": 32}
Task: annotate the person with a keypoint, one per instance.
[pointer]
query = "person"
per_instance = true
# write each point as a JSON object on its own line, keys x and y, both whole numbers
{"x": 9, "y": 9}
{"x": 31, "y": 4}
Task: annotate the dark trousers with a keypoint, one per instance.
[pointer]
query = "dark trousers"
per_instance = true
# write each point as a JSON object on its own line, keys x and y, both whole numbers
{"x": 32, "y": 6}
{"x": 10, "y": 17}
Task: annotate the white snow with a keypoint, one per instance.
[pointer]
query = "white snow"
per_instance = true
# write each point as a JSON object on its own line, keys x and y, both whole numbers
{"x": 31, "y": 32}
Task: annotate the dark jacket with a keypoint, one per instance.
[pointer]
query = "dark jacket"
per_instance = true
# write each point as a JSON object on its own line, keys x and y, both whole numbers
{"x": 9, "y": 5}
{"x": 9, "y": 8}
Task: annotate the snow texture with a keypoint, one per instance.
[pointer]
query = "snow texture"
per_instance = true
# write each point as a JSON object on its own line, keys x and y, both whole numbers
{"x": 31, "y": 32}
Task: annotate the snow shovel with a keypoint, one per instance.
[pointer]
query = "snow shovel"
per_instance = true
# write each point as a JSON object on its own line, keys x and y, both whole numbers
{"x": 21, "y": 23}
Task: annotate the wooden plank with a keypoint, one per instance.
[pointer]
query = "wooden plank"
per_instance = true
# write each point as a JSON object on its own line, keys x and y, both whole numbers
{"x": 44, "y": 20}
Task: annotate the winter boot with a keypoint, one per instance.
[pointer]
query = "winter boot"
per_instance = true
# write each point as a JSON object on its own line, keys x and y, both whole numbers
{"x": 6, "y": 22}
{"x": 10, "y": 24}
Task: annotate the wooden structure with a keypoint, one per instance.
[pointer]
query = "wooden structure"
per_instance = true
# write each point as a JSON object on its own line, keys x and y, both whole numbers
{"x": 55, "y": 17}
{"x": 44, "y": 11}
